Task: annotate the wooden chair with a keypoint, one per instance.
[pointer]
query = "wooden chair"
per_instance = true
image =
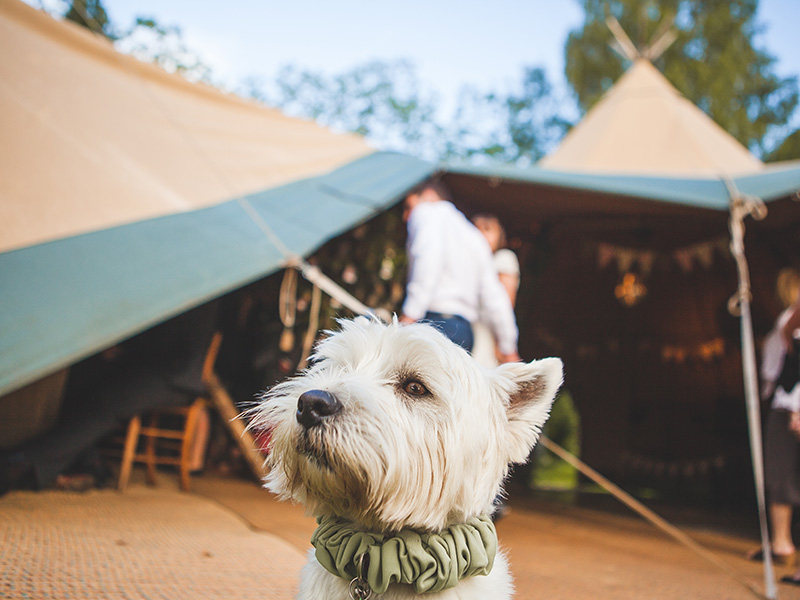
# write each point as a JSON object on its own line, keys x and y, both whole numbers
{"x": 166, "y": 436}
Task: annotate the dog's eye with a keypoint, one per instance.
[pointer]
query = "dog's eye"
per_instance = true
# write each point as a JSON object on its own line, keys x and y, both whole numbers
{"x": 412, "y": 387}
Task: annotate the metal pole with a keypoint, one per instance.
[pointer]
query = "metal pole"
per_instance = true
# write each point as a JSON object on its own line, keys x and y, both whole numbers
{"x": 740, "y": 207}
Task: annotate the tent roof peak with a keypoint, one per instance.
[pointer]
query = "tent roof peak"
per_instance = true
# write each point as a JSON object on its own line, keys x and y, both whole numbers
{"x": 643, "y": 125}
{"x": 623, "y": 45}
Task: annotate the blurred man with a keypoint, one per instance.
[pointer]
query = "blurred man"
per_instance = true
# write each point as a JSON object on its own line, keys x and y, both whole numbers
{"x": 452, "y": 274}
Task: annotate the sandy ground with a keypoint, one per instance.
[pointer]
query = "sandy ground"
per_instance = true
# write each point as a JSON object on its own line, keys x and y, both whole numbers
{"x": 230, "y": 539}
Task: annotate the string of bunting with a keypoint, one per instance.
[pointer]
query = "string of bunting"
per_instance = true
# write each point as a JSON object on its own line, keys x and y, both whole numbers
{"x": 674, "y": 468}
{"x": 686, "y": 259}
{"x": 707, "y": 351}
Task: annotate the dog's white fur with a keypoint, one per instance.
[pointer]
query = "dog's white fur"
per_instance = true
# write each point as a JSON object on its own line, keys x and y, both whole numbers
{"x": 389, "y": 460}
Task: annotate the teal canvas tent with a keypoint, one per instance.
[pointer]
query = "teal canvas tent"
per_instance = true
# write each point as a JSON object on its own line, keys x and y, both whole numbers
{"x": 66, "y": 299}
{"x": 129, "y": 195}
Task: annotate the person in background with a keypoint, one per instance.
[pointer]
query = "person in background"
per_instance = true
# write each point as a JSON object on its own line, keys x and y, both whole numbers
{"x": 505, "y": 261}
{"x": 451, "y": 273}
{"x": 779, "y": 386}
{"x": 792, "y": 325}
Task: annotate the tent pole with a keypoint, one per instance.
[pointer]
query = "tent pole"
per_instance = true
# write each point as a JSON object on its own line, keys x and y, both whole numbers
{"x": 740, "y": 207}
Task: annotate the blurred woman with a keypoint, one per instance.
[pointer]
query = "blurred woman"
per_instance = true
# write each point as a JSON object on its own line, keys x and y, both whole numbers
{"x": 507, "y": 265}
{"x": 779, "y": 386}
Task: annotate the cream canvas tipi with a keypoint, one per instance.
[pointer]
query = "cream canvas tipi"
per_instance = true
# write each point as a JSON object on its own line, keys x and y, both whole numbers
{"x": 644, "y": 126}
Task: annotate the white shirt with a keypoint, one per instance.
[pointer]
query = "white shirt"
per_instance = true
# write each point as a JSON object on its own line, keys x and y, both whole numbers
{"x": 451, "y": 271}
{"x": 483, "y": 351}
{"x": 773, "y": 353}
{"x": 506, "y": 263}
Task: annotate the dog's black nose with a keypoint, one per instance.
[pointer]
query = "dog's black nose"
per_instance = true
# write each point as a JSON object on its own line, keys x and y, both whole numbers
{"x": 314, "y": 405}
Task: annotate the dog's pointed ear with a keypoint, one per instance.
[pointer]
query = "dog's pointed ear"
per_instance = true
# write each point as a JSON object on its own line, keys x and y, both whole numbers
{"x": 531, "y": 389}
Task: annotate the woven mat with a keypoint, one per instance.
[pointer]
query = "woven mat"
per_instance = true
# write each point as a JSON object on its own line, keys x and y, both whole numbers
{"x": 154, "y": 543}
{"x": 231, "y": 539}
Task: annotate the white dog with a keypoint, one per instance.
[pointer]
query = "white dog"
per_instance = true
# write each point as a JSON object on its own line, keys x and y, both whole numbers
{"x": 398, "y": 442}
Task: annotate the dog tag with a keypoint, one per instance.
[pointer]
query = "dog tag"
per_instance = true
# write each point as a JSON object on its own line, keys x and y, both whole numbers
{"x": 360, "y": 590}
{"x": 359, "y": 587}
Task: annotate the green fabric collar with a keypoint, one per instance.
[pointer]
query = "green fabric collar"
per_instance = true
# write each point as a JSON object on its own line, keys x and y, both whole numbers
{"x": 431, "y": 562}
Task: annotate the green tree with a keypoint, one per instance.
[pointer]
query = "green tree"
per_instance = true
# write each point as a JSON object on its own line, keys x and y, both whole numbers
{"x": 386, "y": 103}
{"x": 788, "y": 149}
{"x": 382, "y": 101}
{"x": 92, "y": 15}
{"x": 518, "y": 127}
{"x": 146, "y": 39}
{"x": 163, "y": 45}
{"x": 713, "y": 60}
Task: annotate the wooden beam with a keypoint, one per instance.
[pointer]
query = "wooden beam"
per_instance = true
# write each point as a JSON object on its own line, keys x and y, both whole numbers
{"x": 224, "y": 405}
{"x": 624, "y": 44}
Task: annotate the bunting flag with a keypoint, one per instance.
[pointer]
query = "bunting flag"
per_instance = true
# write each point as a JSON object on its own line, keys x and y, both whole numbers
{"x": 673, "y": 468}
{"x": 706, "y": 352}
{"x": 701, "y": 352}
{"x": 644, "y": 261}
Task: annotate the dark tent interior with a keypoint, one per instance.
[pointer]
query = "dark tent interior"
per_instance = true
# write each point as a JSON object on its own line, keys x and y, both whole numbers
{"x": 656, "y": 373}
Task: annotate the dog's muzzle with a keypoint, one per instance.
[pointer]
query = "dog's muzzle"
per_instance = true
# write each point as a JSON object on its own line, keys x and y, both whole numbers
{"x": 314, "y": 406}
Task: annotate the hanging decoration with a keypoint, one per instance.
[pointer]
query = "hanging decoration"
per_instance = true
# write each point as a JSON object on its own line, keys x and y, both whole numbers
{"x": 636, "y": 265}
{"x": 630, "y": 290}
{"x": 644, "y": 261}
{"x": 287, "y": 308}
{"x": 387, "y": 264}
{"x": 313, "y": 327}
{"x": 350, "y": 275}
{"x": 674, "y": 469}
{"x": 679, "y": 354}
{"x": 706, "y": 352}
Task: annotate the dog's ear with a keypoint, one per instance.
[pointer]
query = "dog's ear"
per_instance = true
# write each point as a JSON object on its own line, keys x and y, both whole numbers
{"x": 531, "y": 389}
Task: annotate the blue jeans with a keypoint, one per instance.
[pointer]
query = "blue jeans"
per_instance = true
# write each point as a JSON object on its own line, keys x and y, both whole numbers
{"x": 455, "y": 327}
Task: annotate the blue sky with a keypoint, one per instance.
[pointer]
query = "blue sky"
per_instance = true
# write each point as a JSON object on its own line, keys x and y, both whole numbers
{"x": 451, "y": 43}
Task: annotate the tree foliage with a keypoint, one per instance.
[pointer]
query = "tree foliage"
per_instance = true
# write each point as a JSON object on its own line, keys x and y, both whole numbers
{"x": 146, "y": 39}
{"x": 789, "y": 149}
{"x": 382, "y": 101}
{"x": 385, "y": 102}
{"x": 92, "y": 15}
{"x": 149, "y": 41}
{"x": 518, "y": 127}
{"x": 713, "y": 60}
